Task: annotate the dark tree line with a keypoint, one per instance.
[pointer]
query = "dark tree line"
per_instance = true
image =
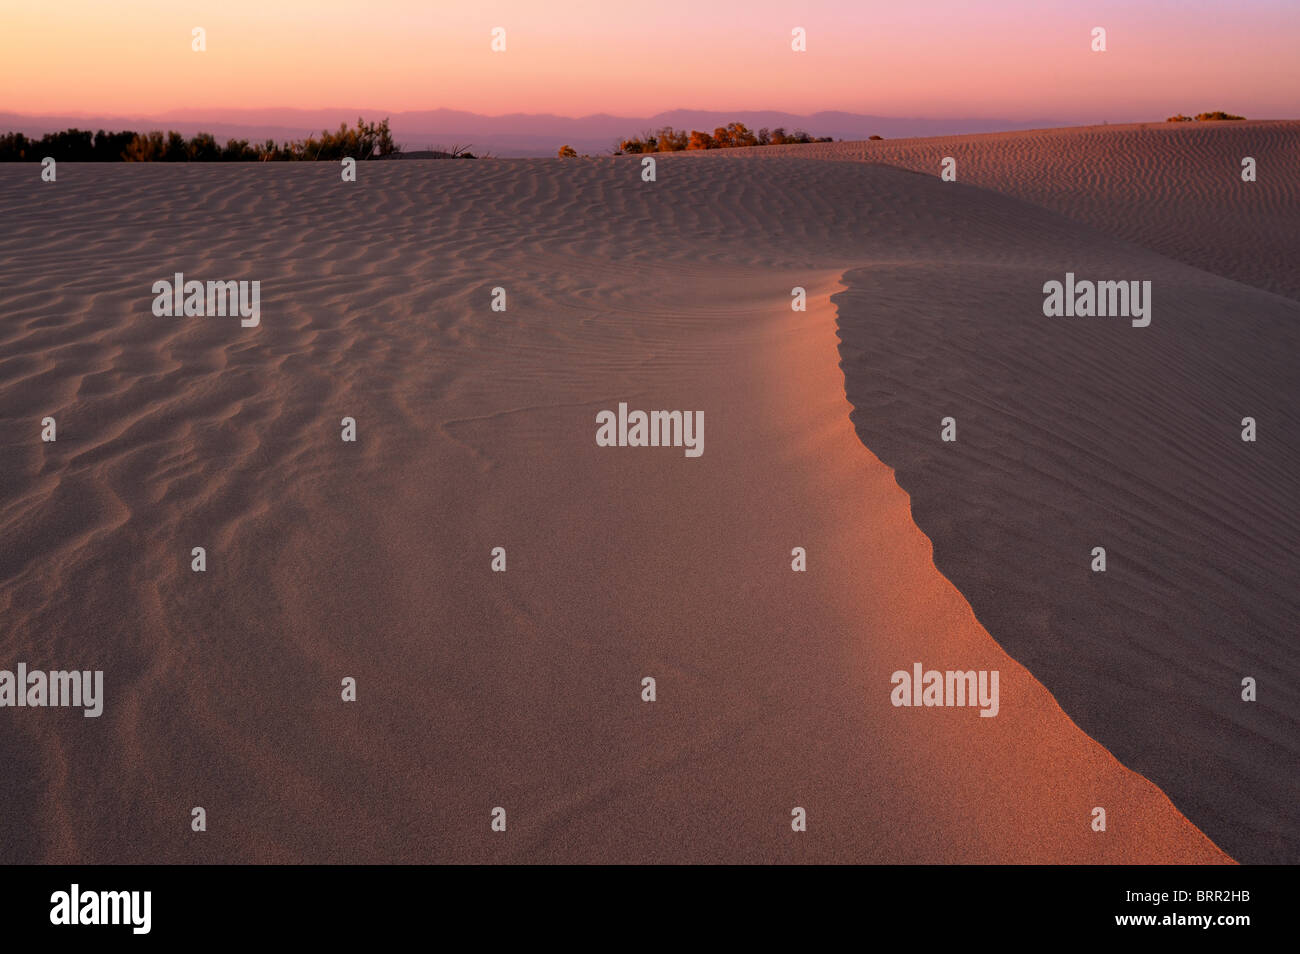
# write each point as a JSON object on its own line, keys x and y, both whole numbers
{"x": 364, "y": 141}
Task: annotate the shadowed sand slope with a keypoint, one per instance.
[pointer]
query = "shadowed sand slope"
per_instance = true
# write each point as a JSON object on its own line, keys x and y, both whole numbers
{"x": 1172, "y": 187}
{"x": 1085, "y": 432}
{"x": 475, "y": 430}
{"x": 1079, "y": 433}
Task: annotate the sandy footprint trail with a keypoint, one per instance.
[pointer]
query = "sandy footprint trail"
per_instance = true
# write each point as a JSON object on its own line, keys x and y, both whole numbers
{"x": 477, "y": 430}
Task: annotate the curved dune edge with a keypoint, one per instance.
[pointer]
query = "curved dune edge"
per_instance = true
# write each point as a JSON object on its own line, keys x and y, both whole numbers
{"x": 371, "y": 560}
{"x": 1147, "y": 665}
{"x": 1187, "y": 843}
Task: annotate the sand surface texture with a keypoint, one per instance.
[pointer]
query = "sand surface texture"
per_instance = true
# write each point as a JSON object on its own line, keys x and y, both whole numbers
{"x": 476, "y": 429}
{"x": 1086, "y": 432}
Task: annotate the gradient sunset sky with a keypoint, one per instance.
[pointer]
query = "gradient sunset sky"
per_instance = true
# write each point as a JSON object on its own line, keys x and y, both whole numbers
{"x": 1015, "y": 59}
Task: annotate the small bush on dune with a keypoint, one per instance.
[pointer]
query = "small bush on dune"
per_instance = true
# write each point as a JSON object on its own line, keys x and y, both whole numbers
{"x": 635, "y": 146}
{"x": 700, "y": 140}
{"x": 672, "y": 140}
{"x": 144, "y": 147}
{"x": 730, "y": 136}
{"x": 734, "y": 136}
{"x": 366, "y": 140}
{"x": 1216, "y": 116}
{"x": 203, "y": 148}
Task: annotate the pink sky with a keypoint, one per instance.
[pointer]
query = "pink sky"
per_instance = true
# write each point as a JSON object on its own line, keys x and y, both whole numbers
{"x": 1019, "y": 59}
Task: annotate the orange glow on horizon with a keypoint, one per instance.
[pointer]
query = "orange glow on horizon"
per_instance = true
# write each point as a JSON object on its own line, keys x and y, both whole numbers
{"x": 1016, "y": 60}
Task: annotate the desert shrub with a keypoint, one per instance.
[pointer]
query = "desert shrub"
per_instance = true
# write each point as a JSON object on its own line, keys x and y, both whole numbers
{"x": 144, "y": 147}
{"x": 1216, "y": 115}
{"x": 203, "y": 148}
{"x": 700, "y": 140}
{"x": 237, "y": 150}
{"x": 731, "y": 136}
{"x": 75, "y": 145}
{"x": 14, "y": 147}
{"x": 109, "y": 146}
{"x": 673, "y": 140}
{"x": 1179, "y": 118}
{"x": 175, "y": 149}
{"x": 366, "y": 141}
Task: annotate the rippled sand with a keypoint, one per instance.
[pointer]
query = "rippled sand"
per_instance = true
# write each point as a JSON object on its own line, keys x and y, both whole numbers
{"x": 475, "y": 430}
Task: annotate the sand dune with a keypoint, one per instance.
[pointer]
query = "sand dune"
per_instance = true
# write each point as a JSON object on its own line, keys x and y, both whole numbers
{"x": 476, "y": 429}
{"x": 1085, "y": 432}
{"x": 1175, "y": 188}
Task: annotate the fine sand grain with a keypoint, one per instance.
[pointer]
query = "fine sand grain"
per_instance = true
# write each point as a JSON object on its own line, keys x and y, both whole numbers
{"x": 476, "y": 429}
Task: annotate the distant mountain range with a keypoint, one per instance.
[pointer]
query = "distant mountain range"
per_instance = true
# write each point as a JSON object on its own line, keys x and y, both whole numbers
{"x": 516, "y": 134}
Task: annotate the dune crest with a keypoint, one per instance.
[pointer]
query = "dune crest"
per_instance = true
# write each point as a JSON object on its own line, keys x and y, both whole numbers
{"x": 1175, "y": 188}
{"x": 476, "y": 430}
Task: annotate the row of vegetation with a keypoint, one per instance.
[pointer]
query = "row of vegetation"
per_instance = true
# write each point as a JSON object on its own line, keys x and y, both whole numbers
{"x": 365, "y": 141}
{"x": 1203, "y": 117}
{"x": 730, "y": 136}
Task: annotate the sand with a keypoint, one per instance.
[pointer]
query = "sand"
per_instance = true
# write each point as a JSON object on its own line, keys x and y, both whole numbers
{"x": 1084, "y": 433}
{"x": 1175, "y": 188}
{"x": 476, "y": 430}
